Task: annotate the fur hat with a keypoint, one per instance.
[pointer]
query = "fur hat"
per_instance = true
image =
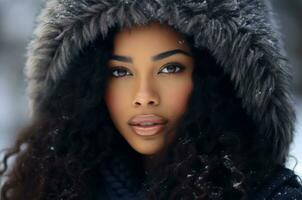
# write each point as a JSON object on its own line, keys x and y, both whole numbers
{"x": 240, "y": 34}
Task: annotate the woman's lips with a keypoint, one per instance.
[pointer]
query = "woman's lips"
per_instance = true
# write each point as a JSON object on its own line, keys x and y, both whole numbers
{"x": 147, "y": 130}
{"x": 146, "y": 118}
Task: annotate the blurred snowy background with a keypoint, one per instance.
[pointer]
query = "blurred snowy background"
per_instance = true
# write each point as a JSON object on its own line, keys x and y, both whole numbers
{"x": 17, "y": 20}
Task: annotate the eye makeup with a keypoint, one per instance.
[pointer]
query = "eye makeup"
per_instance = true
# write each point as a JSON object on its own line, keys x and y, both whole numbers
{"x": 178, "y": 68}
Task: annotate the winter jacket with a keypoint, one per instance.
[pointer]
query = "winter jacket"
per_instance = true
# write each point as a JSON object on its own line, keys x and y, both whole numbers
{"x": 283, "y": 184}
{"x": 241, "y": 35}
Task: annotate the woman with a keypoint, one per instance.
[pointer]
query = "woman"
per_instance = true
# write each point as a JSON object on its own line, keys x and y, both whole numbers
{"x": 155, "y": 100}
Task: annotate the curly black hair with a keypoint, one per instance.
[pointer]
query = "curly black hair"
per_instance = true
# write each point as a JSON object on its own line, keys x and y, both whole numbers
{"x": 218, "y": 152}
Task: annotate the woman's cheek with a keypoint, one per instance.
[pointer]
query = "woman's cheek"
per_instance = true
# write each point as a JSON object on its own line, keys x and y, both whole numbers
{"x": 178, "y": 97}
{"x": 112, "y": 97}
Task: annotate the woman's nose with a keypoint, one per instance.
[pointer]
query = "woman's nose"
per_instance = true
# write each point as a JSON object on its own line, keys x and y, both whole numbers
{"x": 146, "y": 94}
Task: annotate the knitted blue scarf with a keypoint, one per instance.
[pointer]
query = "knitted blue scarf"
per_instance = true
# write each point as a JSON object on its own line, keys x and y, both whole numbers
{"x": 120, "y": 181}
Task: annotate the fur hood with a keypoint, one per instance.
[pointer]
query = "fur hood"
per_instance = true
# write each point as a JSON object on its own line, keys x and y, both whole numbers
{"x": 240, "y": 34}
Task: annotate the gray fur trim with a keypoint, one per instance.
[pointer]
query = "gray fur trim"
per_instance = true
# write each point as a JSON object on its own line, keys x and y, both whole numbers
{"x": 240, "y": 34}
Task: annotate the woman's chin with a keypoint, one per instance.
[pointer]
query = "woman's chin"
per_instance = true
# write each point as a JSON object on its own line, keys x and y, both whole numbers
{"x": 147, "y": 147}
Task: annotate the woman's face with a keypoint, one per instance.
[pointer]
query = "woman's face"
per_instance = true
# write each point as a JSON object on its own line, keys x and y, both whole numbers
{"x": 151, "y": 78}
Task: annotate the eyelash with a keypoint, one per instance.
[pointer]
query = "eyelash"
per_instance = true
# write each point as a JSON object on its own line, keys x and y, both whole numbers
{"x": 181, "y": 68}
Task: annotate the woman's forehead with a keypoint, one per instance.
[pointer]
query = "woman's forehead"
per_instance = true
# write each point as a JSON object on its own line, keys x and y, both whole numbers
{"x": 154, "y": 36}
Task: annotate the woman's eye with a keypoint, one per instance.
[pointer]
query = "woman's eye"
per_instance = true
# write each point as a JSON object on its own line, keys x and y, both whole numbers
{"x": 118, "y": 72}
{"x": 167, "y": 69}
{"x": 172, "y": 68}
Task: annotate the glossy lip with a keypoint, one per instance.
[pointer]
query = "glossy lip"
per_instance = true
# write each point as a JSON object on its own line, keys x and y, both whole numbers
{"x": 148, "y": 131}
{"x": 135, "y": 121}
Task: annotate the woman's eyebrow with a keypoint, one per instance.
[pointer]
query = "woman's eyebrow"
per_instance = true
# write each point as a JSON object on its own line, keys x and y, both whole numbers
{"x": 154, "y": 58}
{"x": 170, "y": 53}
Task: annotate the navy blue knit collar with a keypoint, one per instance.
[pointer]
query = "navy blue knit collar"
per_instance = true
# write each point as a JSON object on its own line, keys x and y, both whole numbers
{"x": 120, "y": 181}
{"x": 278, "y": 178}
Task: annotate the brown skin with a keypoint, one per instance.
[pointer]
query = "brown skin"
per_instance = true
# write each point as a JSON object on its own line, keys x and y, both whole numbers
{"x": 142, "y": 89}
